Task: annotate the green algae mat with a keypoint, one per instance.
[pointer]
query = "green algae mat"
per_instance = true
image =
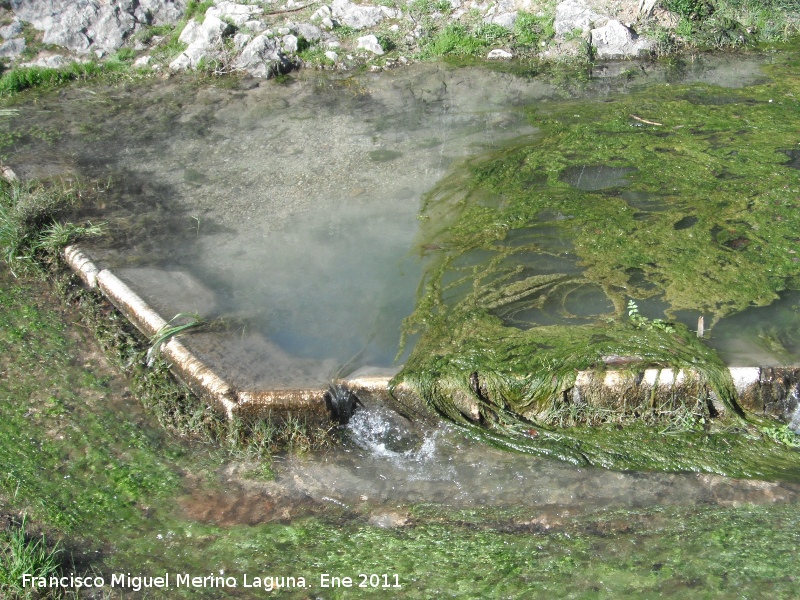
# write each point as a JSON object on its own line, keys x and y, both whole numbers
{"x": 679, "y": 199}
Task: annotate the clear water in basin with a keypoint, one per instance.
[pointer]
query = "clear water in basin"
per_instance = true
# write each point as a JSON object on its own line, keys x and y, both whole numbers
{"x": 293, "y": 209}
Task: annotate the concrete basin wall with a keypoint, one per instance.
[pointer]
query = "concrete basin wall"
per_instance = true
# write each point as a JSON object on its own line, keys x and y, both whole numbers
{"x": 768, "y": 391}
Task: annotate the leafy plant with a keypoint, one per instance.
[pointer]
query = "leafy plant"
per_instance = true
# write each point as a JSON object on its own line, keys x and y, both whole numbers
{"x": 491, "y": 33}
{"x": 124, "y": 55}
{"x": 530, "y": 29}
{"x": 147, "y": 34}
{"x": 689, "y": 9}
{"x": 455, "y": 39}
{"x": 420, "y": 8}
{"x": 783, "y": 435}
{"x": 643, "y": 322}
{"x": 23, "y": 78}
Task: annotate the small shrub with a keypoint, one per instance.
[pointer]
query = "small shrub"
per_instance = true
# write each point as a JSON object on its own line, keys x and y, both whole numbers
{"x": 421, "y": 8}
{"x": 491, "y": 33}
{"x": 454, "y": 39}
{"x": 782, "y": 435}
{"x": 124, "y": 55}
{"x": 689, "y": 9}
{"x": 642, "y": 322}
{"x": 147, "y": 34}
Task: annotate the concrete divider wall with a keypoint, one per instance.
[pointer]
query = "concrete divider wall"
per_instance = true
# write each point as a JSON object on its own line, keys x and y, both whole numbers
{"x": 764, "y": 391}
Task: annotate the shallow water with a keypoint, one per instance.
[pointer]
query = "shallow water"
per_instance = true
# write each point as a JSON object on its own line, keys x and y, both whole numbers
{"x": 390, "y": 462}
{"x": 292, "y": 209}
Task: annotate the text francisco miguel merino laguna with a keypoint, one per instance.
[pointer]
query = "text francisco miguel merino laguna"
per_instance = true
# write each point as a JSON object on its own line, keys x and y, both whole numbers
{"x": 185, "y": 580}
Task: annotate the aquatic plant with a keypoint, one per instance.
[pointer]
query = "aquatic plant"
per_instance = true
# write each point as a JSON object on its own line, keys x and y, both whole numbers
{"x": 172, "y": 329}
{"x": 682, "y": 196}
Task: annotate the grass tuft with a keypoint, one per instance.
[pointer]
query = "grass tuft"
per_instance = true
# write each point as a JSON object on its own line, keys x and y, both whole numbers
{"x": 23, "y": 78}
{"x": 21, "y": 554}
{"x": 30, "y": 232}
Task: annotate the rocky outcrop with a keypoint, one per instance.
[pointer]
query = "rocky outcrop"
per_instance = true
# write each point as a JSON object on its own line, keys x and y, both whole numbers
{"x": 83, "y": 26}
{"x": 262, "y": 57}
{"x": 575, "y": 16}
{"x": 263, "y": 38}
{"x": 609, "y": 38}
{"x": 614, "y": 40}
{"x": 361, "y": 17}
{"x": 203, "y": 40}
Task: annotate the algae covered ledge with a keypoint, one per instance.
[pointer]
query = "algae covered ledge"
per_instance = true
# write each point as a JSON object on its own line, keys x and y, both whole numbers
{"x": 603, "y": 245}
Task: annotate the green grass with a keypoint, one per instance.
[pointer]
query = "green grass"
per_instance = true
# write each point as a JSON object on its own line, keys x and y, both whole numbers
{"x": 689, "y": 9}
{"x": 454, "y": 40}
{"x": 725, "y": 24}
{"x": 43, "y": 396}
{"x": 97, "y": 473}
{"x": 474, "y": 40}
{"x": 530, "y": 30}
{"x": 23, "y": 78}
{"x": 197, "y": 10}
{"x": 30, "y": 233}
{"x": 22, "y": 554}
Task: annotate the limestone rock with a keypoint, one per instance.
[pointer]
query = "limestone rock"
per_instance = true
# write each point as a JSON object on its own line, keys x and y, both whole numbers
{"x": 12, "y": 48}
{"x": 240, "y": 40}
{"x": 203, "y": 39}
{"x": 289, "y": 43}
{"x": 255, "y": 26}
{"x": 210, "y": 33}
{"x": 189, "y": 58}
{"x": 53, "y": 61}
{"x": 190, "y": 33}
{"x": 158, "y": 12}
{"x": 85, "y": 25}
{"x": 262, "y": 58}
{"x": 614, "y": 40}
{"x": 112, "y": 26}
{"x": 574, "y": 15}
{"x": 322, "y": 13}
{"x": 11, "y": 30}
{"x": 359, "y": 17}
{"x": 309, "y": 31}
{"x": 370, "y": 43}
{"x": 69, "y": 30}
{"x": 499, "y": 54}
{"x": 238, "y": 13}
{"x": 506, "y": 19}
